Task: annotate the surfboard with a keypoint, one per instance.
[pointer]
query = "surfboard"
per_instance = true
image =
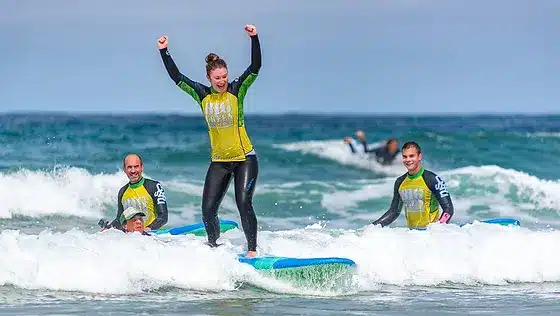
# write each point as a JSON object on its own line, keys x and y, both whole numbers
{"x": 309, "y": 271}
{"x": 195, "y": 229}
{"x": 504, "y": 221}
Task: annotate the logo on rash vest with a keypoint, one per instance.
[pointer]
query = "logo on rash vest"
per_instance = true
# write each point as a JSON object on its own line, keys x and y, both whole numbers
{"x": 139, "y": 203}
{"x": 160, "y": 194}
{"x": 218, "y": 115}
{"x": 441, "y": 187}
{"x": 413, "y": 199}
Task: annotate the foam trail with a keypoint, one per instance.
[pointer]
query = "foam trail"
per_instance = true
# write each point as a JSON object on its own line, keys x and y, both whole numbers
{"x": 338, "y": 151}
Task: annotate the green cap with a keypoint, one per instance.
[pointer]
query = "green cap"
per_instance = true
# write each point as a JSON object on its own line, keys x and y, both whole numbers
{"x": 129, "y": 213}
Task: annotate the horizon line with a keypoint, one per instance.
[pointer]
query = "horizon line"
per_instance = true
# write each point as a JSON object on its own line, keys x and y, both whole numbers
{"x": 287, "y": 113}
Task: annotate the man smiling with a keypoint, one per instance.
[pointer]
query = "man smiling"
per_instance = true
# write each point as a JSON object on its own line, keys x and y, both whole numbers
{"x": 143, "y": 194}
{"x": 419, "y": 191}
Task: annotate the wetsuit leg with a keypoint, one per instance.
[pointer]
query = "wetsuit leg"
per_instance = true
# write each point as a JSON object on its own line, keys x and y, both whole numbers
{"x": 216, "y": 184}
{"x": 245, "y": 175}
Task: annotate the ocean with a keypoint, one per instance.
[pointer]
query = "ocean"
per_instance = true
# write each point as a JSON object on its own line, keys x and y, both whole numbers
{"x": 60, "y": 173}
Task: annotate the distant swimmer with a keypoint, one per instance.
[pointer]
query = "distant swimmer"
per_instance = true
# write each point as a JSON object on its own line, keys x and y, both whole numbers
{"x": 233, "y": 154}
{"x": 143, "y": 194}
{"x": 385, "y": 155}
{"x": 419, "y": 191}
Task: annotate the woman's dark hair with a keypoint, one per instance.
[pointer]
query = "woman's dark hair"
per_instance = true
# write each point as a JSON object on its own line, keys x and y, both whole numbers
{"x": 214, "y": 61}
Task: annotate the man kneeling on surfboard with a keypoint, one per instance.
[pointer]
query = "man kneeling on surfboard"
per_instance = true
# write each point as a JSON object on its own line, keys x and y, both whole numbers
{"x": 419, "y": 191}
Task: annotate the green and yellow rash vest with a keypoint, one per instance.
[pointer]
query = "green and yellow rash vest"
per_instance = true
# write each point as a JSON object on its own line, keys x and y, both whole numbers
{"x": 223, "y": 111}
{"x": 146, "y": 195}
{"x": 420, "y": 195}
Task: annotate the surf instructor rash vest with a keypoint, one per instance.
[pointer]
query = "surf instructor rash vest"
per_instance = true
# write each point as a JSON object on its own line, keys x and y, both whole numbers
{"x": 420, "y": 195}
{"x": 223, "y": 112}
{"x": 224, "y": 117}
{"x": 148, "y": 196}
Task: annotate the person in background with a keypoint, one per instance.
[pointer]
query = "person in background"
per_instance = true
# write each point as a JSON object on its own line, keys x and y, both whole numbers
{"x": 385, "y": 154}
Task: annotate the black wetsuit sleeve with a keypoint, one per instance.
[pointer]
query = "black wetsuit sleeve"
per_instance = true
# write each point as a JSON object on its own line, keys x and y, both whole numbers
{"x": 120, "y": 209}
{"x": 195, "y": 89}
{"x": 155, "y": 189}
{"x": 396, "y": 205}
{"x": 364, "y": 143}
{"x": 250, "y": 74}
{"x": 352, "y": 148}
{"x": 439, "y": 188}
{"x": 256, "y": 57}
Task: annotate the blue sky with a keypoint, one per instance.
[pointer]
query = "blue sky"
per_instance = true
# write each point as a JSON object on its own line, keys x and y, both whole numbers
{"x": 319, "y": 56}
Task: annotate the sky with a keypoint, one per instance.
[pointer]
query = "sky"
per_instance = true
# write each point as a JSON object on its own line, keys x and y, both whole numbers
{"x": 319, "y": 56}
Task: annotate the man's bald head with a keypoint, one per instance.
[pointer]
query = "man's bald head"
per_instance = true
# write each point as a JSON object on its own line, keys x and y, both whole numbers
{"x": 133, "y": 159}
{"x": 133, "y": 167}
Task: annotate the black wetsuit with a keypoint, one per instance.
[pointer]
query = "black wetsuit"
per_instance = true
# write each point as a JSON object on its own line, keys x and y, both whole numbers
{"x": 382, "y": 154}
{"x": 146, "y": 195}
{"x": 420, "y": 195}
{"x": 233, "y": 154}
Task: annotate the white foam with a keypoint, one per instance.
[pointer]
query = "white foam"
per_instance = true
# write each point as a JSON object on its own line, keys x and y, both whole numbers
{"x": 544, "y": 135}
{"x": 338, "y": 151}
{"x": 540, "y": 193}
{"x": 478, "y": 253}
{"x": 66, "y": 191}
{"x": 113, "y": 262}
{"x": 344, "y": 199}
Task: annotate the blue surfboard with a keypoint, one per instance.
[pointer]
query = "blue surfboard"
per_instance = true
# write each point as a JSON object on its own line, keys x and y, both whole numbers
{"x": 504, "y": 221}
{"x": 195, "y": 229}
{"x": 272, "y": 262}
{"x": 322, "y": 272}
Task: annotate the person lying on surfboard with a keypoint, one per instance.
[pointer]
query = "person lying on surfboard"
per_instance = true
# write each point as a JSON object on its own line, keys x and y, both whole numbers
{"x": 419, "y": 191}
{"x": 233, "y": 154}
{"x": 384, "y": 155}
{"x": 131, "y": 220}
{"x": 144, "y": 194}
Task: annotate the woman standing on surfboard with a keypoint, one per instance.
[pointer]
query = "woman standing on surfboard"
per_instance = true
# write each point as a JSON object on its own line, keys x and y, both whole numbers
{"x": 232, "y": 151}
